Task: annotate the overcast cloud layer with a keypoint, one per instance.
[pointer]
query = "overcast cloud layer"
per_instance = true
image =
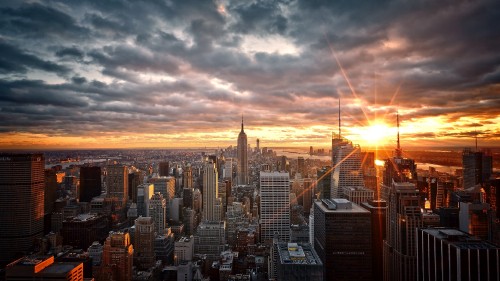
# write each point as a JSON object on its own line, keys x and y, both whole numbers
{"x": 177, "y": 69}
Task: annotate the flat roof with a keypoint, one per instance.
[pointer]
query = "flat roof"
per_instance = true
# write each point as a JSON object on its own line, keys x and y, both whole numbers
{"x": 295, "y": 253}
{"x": 355, "y": 208}
{"x": 458, "y": 238}
{"x": 61, "y": 267}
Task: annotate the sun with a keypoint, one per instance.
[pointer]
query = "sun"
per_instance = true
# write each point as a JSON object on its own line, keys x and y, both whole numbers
{"x": 376, "y": 134}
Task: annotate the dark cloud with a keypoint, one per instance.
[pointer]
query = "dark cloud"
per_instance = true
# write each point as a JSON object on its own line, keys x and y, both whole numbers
{"x": 193, "y": 65}
{"x": 40, "y": 21}
{"x": 15, "y": 60}
{"x": 72, "y": 53}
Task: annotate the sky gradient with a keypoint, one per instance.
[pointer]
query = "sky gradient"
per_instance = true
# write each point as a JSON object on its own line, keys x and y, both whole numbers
{"x": 100, "y": 74}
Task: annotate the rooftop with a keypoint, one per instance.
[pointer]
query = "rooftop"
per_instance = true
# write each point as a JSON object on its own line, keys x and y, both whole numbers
{"x": 339, "y": 206}
{"x": 295, "y": 253}
{"x": 459, "y": 239}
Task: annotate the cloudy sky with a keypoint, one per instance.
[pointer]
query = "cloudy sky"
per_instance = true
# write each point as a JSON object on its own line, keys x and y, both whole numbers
{"x": 181, "y": 73}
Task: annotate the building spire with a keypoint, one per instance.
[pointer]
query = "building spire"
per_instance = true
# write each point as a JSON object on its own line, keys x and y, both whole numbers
{"x": 242, "y": 122}
{"x": 340, "y": 126}
{"x": 398, "y": 148}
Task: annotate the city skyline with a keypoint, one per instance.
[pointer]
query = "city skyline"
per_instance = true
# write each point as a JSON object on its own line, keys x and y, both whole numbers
{"x": 180, "y": 74}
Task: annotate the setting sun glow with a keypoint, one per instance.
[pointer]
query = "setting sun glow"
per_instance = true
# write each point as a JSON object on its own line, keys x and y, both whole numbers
{"x": 376, "y": 134}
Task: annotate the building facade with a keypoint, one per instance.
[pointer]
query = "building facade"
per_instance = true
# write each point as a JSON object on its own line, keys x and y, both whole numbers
{"x": 210, "y": 193}
{"x": 117, "y": 183}
{"x": 22, "y": 183}
{"x": 451, "y": 254}
{"x": 90, "y": 183}
{"x": 274, "y": 206}
{"x": 342, "y": 239}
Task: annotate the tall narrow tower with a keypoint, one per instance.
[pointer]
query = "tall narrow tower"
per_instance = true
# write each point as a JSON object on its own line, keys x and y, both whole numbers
{"x": 242, "y": 156}
{"x": 210, "y": 192}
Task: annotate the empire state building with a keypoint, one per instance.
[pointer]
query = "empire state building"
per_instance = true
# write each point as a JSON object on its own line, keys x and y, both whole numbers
{"x": 242, "y": 175}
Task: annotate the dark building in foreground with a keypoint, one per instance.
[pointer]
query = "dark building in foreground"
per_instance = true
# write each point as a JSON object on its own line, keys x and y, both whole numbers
{"x": 450, "y": 254}
{"x": 22, "y": 183}
{"x": 342, "y": 239}
{"x": 298, "y": 262}
{"x": 90, "y": 183}
{"x": 378, "y": 212}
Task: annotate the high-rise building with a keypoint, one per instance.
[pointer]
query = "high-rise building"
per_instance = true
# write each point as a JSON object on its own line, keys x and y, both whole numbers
{"x": 95, "y": 253}
{"x": 324, "y": 182}
{"x": 144, "y": 240}
{"x": 164, "y": 247}
{"x": 346, "y": 170}
{"x": 378, "y": 213}
{"x": 307, "y": 195}
{"x": 301, "y": 166}
{"x": 90, "y": 183}
{"x": 184, "y": 249}
{"x": 135, "y": 179}
{"x": 342, "y": 239}
{"x": 476, "y": 219}
{"x": 283, "y": 164}
{"x": 210, "y": 192}
{"x": 117, "y": 183}
{"x": 166, "y": 186}
{"x": 297, "y": 262}
{"x": 404, "y": 216}
{"x": 242, "y": 172}
{"x": 144, "y": 193}
{"x": 210, "y": 239}
{"x": 82, "y": 230}
{"x": 164, "y": 169}
{"x": 274, "y": 205}
{"x": 117, "y": 257}
{"x": 50, "y": 191}
{"x": 22, "y": 183}
{"x": 450, "y": 254}
{"x": 477, "y": 167}
{"x": 358, "y": 194}
{"x": 158, "y": 212}
{"x": 187, "y": 177}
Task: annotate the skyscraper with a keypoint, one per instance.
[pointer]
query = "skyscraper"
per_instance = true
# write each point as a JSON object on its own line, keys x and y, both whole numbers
{"x": 117, "y": 183}
{"x": 242, "y": 156}
{"x": 450, "y": 254}
{"x": 187, "y": 177}
{"x": 158, "y": 212}
{"x": 342, "y": 239}
{"x": 274, "y": 205}
{"x": 404, "y": 216}
{"x": 477, "y": 166}
{"x": 378, "y": 211}
{"x": 117, "y": 257}
{"x": 210, "y": 193}
{"x": 90, "y": 183}
{"x": 301, "y": 166}
{"x": 324, "y": 176}
{"x": 22, "y": 183}
{"x": 346, "y": 168}
{"x": 164, "y": 169}
{"x": 144, "y": 254}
